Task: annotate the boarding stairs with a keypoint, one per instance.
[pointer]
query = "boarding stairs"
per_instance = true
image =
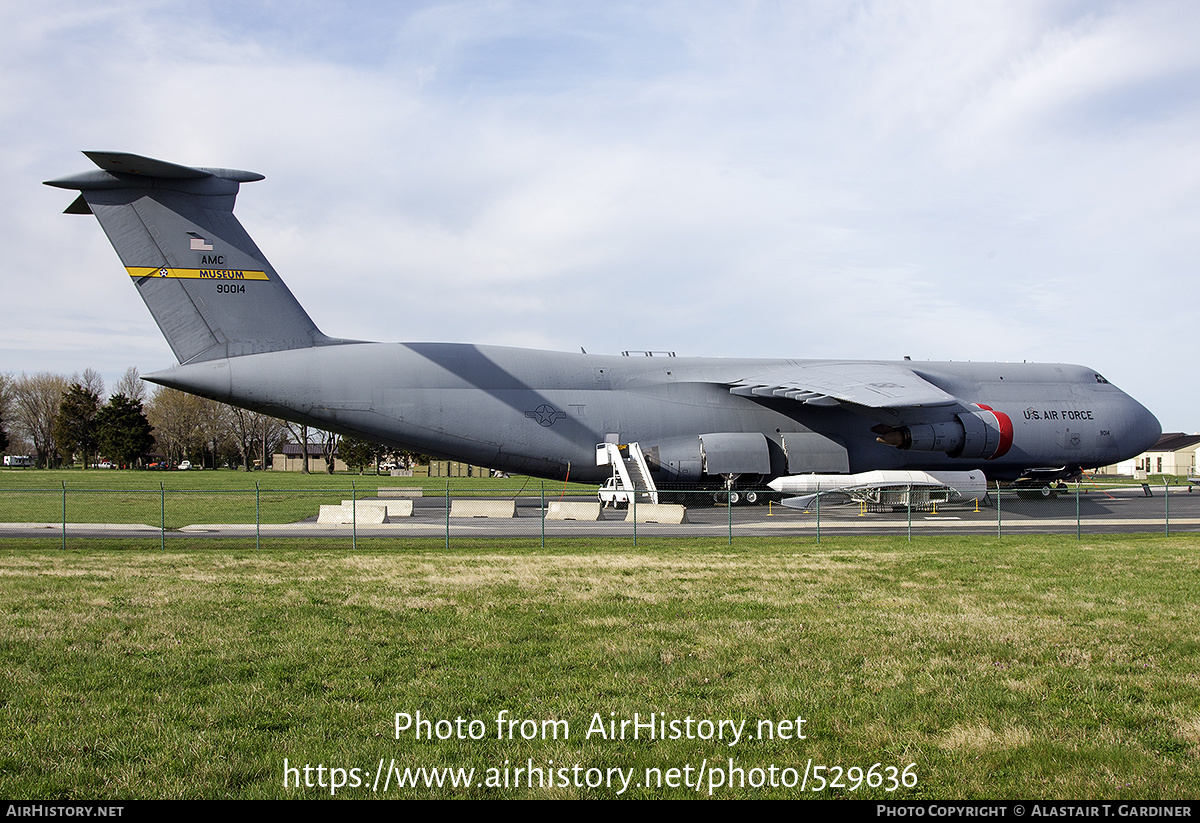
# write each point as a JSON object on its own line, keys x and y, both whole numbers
{"x": 629, "y": 465}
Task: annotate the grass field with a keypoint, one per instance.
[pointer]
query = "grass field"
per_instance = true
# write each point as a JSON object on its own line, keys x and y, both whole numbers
{"x": 233, "y": 480}
{"x": 963, "y": 667}
{"x": 176, "y": 499}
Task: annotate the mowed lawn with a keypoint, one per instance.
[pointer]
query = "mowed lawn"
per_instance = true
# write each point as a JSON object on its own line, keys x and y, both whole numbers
{"x": 174, "y": 499}
{"x": 948, "y": 667}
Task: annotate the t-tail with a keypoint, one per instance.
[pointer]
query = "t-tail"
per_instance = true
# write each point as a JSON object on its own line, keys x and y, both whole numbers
{"x": 210, "y": 289}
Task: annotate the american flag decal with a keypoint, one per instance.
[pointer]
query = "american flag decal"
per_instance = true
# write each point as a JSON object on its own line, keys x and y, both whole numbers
{"x": 199, "y": 243}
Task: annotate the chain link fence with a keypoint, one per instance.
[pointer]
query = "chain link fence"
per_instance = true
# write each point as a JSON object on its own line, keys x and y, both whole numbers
{"x": 545, "y": 513}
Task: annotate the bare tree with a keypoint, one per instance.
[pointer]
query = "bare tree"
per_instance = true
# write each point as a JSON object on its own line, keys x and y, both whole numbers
{"x": 299, "y": 432}
{"x": 186, "y": 425}
{"x": 6, "y": 381}
{"x": 273, "y": 432}
{"x": 131, "y": 385}
{"x": 329, "y": 447}
{"x": 254, "y": 433}
{"x": 176, "y": 418}
{"x": 245, "y": 431}
{"x": 6, "y": 396}
{"x": 35, "y": 404}
{"x": 215, "y": 432}
{"x": 90, "y": 381}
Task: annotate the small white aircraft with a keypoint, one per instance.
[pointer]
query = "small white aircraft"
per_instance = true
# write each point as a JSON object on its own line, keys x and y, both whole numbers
{"x": 894, "y": 488}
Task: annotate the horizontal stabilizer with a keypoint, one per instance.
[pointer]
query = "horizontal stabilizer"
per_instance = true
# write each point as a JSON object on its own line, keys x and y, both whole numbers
{"x": 144, "y": 166}
{"x": 210, "y": 289}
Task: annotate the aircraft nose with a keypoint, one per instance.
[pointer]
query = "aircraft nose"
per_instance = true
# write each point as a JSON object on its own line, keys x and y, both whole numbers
{"x": 1142, "y": 429}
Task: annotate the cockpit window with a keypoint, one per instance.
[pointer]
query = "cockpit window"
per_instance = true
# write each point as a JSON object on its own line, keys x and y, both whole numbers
{"x": 1100, "y": 379}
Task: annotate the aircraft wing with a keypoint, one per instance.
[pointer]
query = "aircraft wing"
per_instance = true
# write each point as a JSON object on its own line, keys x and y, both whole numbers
{"x": 874, "y": 385}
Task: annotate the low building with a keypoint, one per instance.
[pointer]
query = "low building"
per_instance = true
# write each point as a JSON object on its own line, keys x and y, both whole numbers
{"x": 1174, "y": 453}
{"x": 289, "y": 458}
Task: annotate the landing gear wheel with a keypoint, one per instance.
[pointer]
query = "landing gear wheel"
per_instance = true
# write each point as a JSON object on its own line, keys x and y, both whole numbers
{"x": 751, "y": 497}
{"x": 1035, "y": 491}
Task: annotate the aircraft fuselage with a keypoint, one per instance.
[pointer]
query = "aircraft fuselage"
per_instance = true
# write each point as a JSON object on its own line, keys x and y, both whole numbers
{"x": 542, "y": 412}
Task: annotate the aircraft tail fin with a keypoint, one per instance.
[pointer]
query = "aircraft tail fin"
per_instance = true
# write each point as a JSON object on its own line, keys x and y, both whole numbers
{"x": 210, "y": 289}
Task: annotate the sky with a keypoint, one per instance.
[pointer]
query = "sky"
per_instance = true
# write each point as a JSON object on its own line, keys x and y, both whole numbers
{"x": 999, "y": 181}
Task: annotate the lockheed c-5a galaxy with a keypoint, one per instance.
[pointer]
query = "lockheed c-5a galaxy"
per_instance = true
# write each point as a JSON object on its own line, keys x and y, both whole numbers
{"x": 702, "y": 422}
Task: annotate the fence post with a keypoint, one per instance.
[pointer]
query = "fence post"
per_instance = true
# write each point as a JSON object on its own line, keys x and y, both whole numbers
{"x": 998, "y": 527}
{"x": 64, "y": 514}
{"x": 633, "y": 509}
{"x": 162, "y": 516}
{"x": 257, "y": 519}
{"x": 447, "y": 514}
{"x": 818, "y": 514}
{"x": 729, "y": 512}
{"x": 1167, "y": 505}
{"x": 542, "y": 494}
{"x": 909, "y": 498}
{"x": 1078, "y": 525}
{"x": 353, "y": 517}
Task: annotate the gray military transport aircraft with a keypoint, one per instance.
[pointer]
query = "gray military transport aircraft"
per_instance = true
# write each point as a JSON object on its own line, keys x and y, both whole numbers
{"x": 702, "y": 422}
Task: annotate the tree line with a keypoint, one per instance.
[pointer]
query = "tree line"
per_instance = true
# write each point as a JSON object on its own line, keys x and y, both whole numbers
{"x": 59, "y": 420}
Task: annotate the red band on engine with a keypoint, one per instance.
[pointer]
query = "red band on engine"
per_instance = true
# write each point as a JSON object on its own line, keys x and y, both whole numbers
{"x": 1005, "y": 427}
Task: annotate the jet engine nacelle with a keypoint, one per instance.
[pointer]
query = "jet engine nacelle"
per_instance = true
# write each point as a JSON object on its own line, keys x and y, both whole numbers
{"x": 985, "y": 434}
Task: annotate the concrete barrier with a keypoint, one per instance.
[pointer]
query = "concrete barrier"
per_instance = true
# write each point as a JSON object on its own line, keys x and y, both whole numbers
{"x": 399, "y": 491}
{"x": 400, "y": 508}
{"x": 334, "y": 516}
{"x": 567, "y": 510}
{"x": 483, "y": 508}
{"x": 657, "y": 513}
{"x": 393, "y": 508}
{"x": 363, "y": 512}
